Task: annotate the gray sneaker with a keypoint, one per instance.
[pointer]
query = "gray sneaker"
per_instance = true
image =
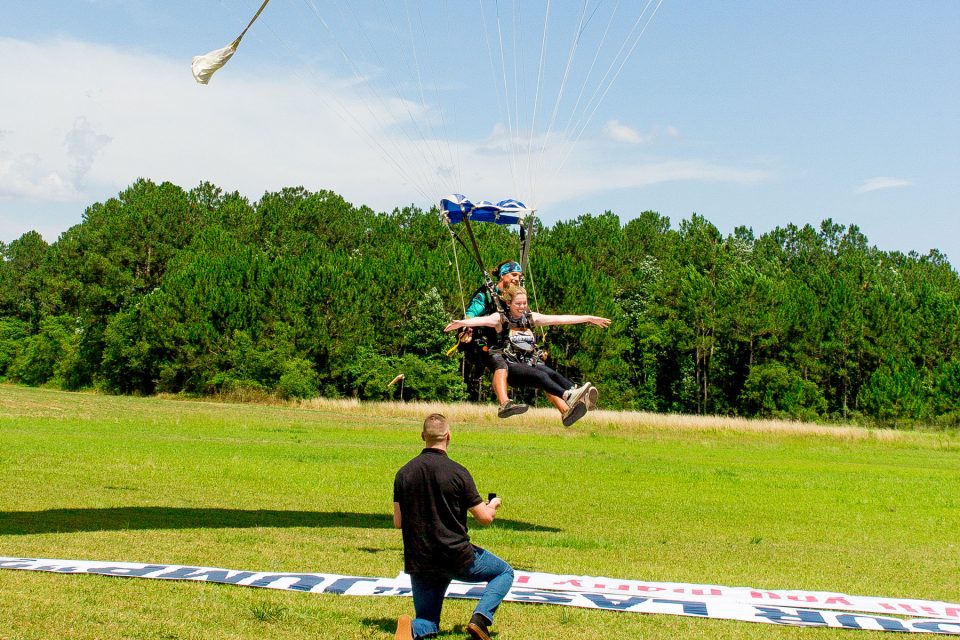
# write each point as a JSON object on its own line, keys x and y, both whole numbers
{"x": 573, "y": 413}
{"x": 575, "y": 396}
{"x": 511, "y": 408}
{"x": 591, "y": 400}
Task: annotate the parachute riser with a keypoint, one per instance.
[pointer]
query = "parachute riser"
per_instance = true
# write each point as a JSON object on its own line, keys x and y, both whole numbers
{"x": 487, "y": 280}
{"x": 526, "y": 237}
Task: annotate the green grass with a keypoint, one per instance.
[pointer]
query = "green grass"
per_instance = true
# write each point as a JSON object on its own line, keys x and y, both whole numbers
{"x": 285, "y": 488}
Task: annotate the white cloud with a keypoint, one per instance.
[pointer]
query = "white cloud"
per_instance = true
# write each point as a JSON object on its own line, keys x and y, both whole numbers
{"x": 25, "y": 176}
{"x": 83, "y": 121}
{"x": 616, "y": 130}
{"x": 876, "y": 184}
{"x": 639, "y": 175}
{"x": 83, "y": 145}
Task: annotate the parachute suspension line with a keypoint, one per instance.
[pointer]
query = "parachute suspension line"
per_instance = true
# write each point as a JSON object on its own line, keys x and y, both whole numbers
{"x": 454, "y": 149}
{"x": 571, "y": 54}
{"x": 334, "y": 104}
{"x": 399, "y": 158}
{"x": 593, "y": 64}
{"x": 503, "y": 100}
{"x": 624, "y": 58}
{"x": 526, "y": 239}
{"x": 528, "y": 274}
{"x": 456, "y": 262}
{"x": 417, "y": 67}
{"x": 516, "y": 47}
{"x": 487, "y": 280}
{"x": 536, "y": 101}
{"x": 463, "y": 303}
{"x": 606, "y": 85}
{"x": 439, "y": 152}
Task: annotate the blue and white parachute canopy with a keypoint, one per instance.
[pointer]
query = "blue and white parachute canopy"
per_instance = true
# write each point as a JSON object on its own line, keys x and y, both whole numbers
{"x": 455, "y": 208}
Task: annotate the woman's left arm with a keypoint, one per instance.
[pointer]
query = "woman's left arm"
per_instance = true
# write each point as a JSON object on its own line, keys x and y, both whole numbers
{"x": 543, "y": 320}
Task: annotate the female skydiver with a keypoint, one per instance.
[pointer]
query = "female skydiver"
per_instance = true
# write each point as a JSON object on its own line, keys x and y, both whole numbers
{"x": 476, "y": 343}
{"x": 517, "y": 348}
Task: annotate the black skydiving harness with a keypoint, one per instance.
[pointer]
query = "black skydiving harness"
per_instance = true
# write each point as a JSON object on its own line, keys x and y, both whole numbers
{"x": 517, "y": 341}
{"x": 482, "y": 338}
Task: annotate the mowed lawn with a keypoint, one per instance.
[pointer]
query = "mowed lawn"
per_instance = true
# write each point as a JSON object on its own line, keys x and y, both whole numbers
{"x": 308, "y": 489}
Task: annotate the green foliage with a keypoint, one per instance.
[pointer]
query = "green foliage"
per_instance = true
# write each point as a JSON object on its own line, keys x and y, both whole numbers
{"x": 423, "y": 334}
{"x": 302, "y": 293}
{"x": 24, "y": 274}
{"x": 896, "y": 392}
{"x": 430, "y": 379}
{"x": 13, "y": 334}
{"x": 49, "y": 356}
{"x": 298, "y": 380}
{"x": 369, "y": 375}
{"x": 775, "y": 391}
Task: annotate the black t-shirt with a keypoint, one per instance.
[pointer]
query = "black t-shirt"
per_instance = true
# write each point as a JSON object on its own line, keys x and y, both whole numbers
{"x": 434, "y": 494}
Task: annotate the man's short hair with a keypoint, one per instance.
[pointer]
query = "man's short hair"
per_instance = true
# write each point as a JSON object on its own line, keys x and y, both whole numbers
{"x": 435, "y": 427}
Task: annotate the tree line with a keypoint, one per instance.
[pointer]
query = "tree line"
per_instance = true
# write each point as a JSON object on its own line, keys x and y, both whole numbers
{"x": 301, "y": 294}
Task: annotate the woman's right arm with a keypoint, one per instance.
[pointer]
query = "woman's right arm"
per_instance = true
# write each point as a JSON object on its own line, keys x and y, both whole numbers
{"x": 491, "y": 320}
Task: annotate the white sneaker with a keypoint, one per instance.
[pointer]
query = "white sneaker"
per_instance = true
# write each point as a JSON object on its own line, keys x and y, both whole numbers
{"x": 591, "y": 400}
{"x": 573, "y": 413}
{"x": 574, "y": 396}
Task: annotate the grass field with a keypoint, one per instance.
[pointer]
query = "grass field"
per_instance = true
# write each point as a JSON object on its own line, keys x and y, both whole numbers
{"x": 308, "y": 489}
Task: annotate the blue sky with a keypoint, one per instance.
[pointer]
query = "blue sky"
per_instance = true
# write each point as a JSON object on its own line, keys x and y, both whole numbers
{"x": 753, "y": 113}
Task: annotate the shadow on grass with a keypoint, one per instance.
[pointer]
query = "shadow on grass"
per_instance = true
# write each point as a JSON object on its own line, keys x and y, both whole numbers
{"x": 136, "y": 518}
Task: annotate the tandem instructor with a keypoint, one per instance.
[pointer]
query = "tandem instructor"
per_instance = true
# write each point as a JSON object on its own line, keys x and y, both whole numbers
{"x": 431, "y": 497}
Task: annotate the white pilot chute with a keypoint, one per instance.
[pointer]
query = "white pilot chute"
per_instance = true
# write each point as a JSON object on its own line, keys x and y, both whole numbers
{"x": 209, "y": 63}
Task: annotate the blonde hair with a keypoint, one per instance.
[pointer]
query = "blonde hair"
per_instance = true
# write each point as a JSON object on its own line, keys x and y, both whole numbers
{"x": 435, "y": 427}
{"x": 512, "y": 292}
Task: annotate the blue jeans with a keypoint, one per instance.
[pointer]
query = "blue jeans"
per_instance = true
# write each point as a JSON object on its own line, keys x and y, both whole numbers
{"x": 429, "y": 589}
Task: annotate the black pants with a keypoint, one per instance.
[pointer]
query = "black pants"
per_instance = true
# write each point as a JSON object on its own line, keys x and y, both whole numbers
{"x": 475, "y": 362}
{"x": 539, "y": 377}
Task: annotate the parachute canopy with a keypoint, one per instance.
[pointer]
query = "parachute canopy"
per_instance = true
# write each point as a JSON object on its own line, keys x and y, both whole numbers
{"x": 456, "y": 208}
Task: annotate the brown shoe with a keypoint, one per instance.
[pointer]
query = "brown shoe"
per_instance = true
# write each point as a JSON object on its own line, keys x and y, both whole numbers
{"x": 404, "y": 628}
{"x": 477, "y": 628}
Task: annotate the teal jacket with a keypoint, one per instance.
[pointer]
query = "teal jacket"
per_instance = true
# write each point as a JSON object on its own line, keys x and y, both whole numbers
{"x": 481, "y": 304}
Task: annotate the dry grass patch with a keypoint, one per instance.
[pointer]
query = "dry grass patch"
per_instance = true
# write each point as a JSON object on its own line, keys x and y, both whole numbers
{"x": 602, "y": 420}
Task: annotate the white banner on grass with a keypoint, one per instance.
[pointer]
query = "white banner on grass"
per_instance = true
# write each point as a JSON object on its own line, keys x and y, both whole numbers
{"x": 743, "y": 595}
{"x": 704, "y": 601}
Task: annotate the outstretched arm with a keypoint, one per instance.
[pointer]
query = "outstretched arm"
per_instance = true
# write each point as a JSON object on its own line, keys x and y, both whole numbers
{"x": 491, "y": 320}
{"x": 542, "y": 320}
